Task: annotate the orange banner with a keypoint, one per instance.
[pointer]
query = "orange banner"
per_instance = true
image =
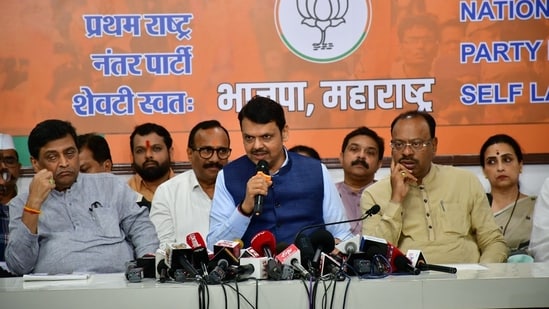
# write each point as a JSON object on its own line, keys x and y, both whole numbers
{"x": 478, "y": 66}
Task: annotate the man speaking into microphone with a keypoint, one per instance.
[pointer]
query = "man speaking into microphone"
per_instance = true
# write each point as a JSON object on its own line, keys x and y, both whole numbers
{"x": 293, "y": 192}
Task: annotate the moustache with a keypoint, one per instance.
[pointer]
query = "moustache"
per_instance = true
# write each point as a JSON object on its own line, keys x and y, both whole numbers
{"x": 361, "y": 162}
{"x": 150, "y": 161}
{"x": 213, "y": 164}
{"x": 408, "y": 159}
{"x": 259, "y": 151}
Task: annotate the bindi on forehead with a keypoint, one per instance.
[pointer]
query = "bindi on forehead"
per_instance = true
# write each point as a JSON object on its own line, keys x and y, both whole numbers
{"x": 148, "y": 144}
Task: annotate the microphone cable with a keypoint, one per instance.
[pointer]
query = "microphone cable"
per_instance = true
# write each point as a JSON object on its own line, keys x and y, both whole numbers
{"x": 203, "y": 295}
{"x": 239, "y": 295}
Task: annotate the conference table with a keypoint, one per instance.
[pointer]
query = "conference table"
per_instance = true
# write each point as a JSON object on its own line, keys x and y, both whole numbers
{"x": 473, "y": 286}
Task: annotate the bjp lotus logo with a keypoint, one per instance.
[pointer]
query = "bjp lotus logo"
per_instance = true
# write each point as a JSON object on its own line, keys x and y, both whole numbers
{"x": 322, "y": 15}
{"x": 323, "y": 30}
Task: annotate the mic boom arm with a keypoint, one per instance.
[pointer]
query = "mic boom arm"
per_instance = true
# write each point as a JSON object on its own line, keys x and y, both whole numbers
{"x": 370, "y": 212}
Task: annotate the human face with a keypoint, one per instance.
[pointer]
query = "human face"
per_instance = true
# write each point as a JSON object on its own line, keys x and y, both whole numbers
{"x": 419, "y": 46}
{"x": 151, "y": 157}
{"x": 206, "y": 169}
{"x": 89, "y": 165}
{"x": 264, "y": 142}
{"x": 501, "y": 166}
{"x": 418, "y": 162}
{"x": 9, "y": 170}
{"x": 360, "y": 158}
{"x": 60, "y": 157}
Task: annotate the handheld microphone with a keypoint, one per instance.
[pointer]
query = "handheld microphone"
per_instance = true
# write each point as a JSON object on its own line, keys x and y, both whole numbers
{"x": 265, "y": 242}
{"x": 419, "y": 261}
{"x": 403, "y": 264}
{"x": 350, "y": 246}
{"x": 370, "y": 212}
{"x": 259, "y": 265}
{"x": 218, "y": 273}
{"x": 195, "y": 240}
{"x": 279, "y": 271}
{"x": 292, "y": 256}
{"x": 199, "y": 252}
{"x": 262, "y": 167}
{"x": 303, "y": 242}
{"x": 322, "y": 241}
{"x": 162, "y": 270}
{"x": 241, "y": 271}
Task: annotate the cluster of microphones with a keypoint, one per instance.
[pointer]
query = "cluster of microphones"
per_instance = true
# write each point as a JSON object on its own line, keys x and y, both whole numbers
{"x": 312, "y": 256}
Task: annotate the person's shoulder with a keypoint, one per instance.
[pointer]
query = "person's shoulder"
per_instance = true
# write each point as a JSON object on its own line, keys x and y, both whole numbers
{"x": 178, "y": 179}
{"x": 102, "y": 181}
{"x": 454, "y": 171}
{"x": 98, "y": 177}
{"x": 236, "y": 163}
{"x": 383, "y": 184}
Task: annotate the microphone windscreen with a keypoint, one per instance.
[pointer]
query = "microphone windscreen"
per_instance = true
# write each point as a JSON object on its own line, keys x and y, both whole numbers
{"x": 262, "y": 241}
{"x": 324, "y": 240}
{"x": 195, "y": 240}
{"x": 263, "y": 166}
{"x": 374, "y": 210}
{"x": 303, "y": 242}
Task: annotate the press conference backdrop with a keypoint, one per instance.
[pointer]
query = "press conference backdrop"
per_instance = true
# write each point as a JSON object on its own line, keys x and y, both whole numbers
{"x": 480, "y": 67}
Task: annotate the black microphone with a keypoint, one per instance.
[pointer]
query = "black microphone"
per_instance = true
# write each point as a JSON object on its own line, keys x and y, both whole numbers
{"x": 218, "y": 273}
{"x": 162, "y": 270}
{"x": 322, "y": 241}
{"x": 403, "y": 264}
{"x": 241, "y": 270}
{"x": 307, "y": 252}
{"x": 262, "y": 167}
{"x": 416, "y": 256}
{"x": 444, "y": 269}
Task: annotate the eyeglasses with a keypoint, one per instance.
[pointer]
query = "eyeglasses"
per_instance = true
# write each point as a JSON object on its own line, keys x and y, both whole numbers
{"x": 417, "y": 144}
{"x": 207, "y": 152}
{"x": 9, "y": 161}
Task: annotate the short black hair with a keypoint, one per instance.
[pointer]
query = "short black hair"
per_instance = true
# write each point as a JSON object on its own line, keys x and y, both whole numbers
{"x": 500, "y": 138}
{"x": 204, "y": 125}
{"x": 415, "y": 114}
{"x": 47, "y": 131}
{"x": 97, "y": 144}
{"x": 263, "y": 110}
{"x": 310, "y": 151}
{"x": 368, "y": 132}
{"x": 148, "y": 128}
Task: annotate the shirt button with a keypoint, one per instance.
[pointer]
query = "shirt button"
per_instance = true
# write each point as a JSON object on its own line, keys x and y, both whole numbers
{"x": 425, "y": 200}
{"x": 430, "y": 227}
{"x": 428, "y": 214}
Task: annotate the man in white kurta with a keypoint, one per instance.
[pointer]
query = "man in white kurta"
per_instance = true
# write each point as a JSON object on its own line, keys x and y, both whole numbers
{"x": 182, "y": 204}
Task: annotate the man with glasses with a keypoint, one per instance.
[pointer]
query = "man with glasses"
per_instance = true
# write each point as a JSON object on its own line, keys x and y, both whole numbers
{"x": 441, "y": 210}
{"x": 9, "y": 173}
{"x": 182, "y": 204}
{"x": 73, "y": 222}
